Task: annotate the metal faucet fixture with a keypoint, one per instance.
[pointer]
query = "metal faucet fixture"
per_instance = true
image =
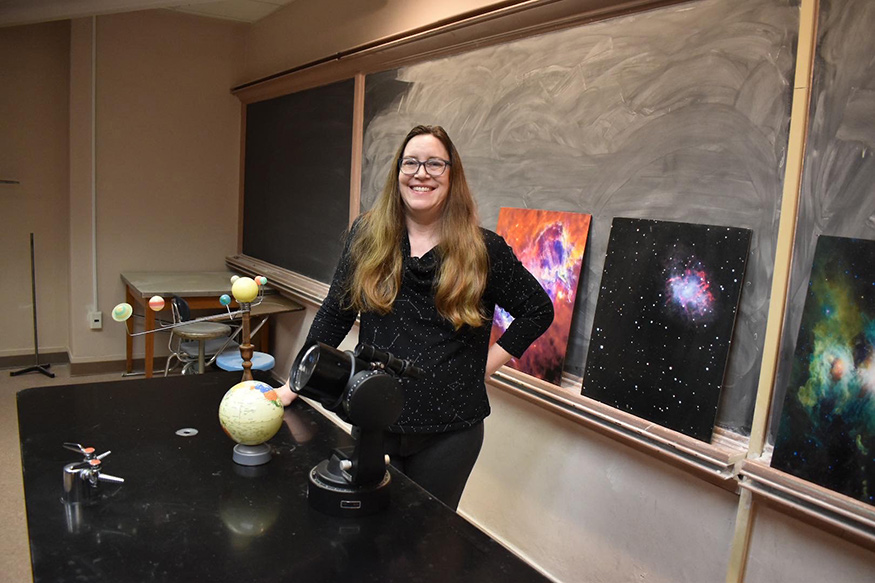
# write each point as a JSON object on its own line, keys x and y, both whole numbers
{"x": 81, "y": 478}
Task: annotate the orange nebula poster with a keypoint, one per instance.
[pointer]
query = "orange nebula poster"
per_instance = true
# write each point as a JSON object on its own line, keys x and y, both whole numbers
{"x": 550, "y": 244}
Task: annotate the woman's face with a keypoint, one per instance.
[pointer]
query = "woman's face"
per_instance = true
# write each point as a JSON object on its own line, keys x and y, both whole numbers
{"x": 424, "y": 195}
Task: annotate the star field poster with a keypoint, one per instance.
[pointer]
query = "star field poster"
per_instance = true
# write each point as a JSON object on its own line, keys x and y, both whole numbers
{"x": 550, "y": 244}
{"x": 827, "y": 429}
{"x": 664, "y": 319}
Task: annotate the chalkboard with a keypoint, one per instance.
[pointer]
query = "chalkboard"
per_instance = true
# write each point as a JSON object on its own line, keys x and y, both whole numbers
{"x": 679, "y": 113}
{"x": 296, "y": 179}
{"x": 837, "y": 196}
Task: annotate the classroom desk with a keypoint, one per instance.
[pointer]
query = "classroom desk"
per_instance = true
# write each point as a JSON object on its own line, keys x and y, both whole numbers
{"x": 186, "y": 512}
{"x": 201, "y": 289}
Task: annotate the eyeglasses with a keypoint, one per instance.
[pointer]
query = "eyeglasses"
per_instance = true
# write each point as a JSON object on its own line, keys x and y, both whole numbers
{"x": 433, "y": 166}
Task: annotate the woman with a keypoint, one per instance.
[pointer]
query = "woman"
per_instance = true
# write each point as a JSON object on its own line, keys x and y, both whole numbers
{"x": 425, "y": 279}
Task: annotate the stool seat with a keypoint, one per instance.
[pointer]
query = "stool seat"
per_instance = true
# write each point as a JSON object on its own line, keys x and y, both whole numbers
{"x": 231, "y": 360}
{"x": 200, "y": 333}
{"x": 202, "y": 330}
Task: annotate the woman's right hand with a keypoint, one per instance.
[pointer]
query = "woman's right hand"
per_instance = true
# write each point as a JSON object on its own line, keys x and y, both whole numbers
{"x": 286, "y": 394}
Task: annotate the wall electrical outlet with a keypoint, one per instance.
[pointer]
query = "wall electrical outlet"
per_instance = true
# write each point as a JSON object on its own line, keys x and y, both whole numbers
{"x": 95, "y": 320}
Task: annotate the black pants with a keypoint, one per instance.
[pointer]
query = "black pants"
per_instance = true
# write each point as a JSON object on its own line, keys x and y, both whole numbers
{"x": 439, "y": 462}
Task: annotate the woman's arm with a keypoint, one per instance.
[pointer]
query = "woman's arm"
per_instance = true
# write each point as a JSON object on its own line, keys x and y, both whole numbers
{"x": 516, "y": 290}
{"x": 495, "y": 359}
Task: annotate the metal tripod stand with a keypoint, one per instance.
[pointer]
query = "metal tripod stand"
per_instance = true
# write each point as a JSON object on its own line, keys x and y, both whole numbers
{"x": 37, "y": 367}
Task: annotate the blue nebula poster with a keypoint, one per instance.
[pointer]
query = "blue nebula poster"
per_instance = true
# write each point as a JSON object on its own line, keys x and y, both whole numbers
{"x": 663, "y": 324}
{"x": 827, "y": 429}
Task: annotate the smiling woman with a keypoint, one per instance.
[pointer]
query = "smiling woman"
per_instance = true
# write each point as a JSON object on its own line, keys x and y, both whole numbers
{"x": 424, "y": 190}
{"x": 429, "y": 212}
{"x": 426, "y": 279}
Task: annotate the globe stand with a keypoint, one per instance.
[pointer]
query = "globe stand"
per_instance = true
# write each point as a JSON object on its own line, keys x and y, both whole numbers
{"x": 251, "y": 455}
{"x": 246, "y": 347}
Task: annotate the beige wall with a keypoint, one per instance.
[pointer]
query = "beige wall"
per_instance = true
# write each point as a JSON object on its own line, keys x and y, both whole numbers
{"x": 80, "y": 219}
{"x": 783, "y": 550}
{"x": 167, "y": 163}
{"x": 167, "y": 166}
{"x": 34, "y": 75}
{"x": 589, "y": 509}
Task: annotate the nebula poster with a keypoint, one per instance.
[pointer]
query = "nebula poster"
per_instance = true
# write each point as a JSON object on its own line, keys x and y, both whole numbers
{"x": 664, "y": 320}
{"x": 550, "y": 244}
{"x": 827, "y": 429}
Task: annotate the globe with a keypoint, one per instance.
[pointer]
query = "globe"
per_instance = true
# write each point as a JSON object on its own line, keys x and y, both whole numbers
{"x": 251, "y": 412}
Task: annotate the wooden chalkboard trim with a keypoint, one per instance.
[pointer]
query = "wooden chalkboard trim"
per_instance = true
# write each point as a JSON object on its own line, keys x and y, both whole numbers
{"x": 358, "y": 136}
{"x": 294, "y": 285}
{"x": 792, "y": 191}
{"x": 493, "y": 25}
{"x": 713, "y": 462}
{"x": 436, "y": 26}
{"x": 241, "y": 179}
{"x": 843, "y": 516}
{"x": 805, "y": 48}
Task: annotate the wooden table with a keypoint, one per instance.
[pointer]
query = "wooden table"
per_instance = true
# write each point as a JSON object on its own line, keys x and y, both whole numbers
{"x": 201, "y": 289}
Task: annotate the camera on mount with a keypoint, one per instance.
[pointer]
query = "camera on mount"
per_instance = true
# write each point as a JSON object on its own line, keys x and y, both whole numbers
{"x": 364, "y": 389}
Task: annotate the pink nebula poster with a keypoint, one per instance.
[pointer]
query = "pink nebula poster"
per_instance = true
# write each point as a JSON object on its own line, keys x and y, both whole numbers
{"x": 550, "y": 244}
{"x": 664, "y": 319}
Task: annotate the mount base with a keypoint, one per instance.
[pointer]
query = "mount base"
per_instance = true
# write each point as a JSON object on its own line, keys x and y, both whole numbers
{"x": 346, "y": 501}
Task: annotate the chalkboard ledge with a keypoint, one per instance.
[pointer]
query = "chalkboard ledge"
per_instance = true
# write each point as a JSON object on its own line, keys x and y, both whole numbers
{"x": 845, "y": 517}
{"x": 294, "y": 285}
{"x": 721, "y": 462}
{"x": 714, "y": 462}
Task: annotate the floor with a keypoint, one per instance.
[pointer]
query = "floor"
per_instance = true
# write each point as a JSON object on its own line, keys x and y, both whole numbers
{"x": 14, "y": 552}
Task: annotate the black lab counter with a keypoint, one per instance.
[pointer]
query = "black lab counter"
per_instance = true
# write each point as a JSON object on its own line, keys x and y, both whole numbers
{"x": 186, "y": 512}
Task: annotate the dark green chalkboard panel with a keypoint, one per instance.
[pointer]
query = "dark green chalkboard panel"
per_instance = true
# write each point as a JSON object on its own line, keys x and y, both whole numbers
{"x": 296, "y": 181}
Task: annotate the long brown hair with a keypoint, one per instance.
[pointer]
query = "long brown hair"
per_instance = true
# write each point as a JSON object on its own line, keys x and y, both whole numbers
{"x": 376, "y": 247}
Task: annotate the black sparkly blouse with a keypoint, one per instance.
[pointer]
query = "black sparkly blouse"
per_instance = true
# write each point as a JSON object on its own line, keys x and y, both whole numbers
{"x": 452, "y": 394}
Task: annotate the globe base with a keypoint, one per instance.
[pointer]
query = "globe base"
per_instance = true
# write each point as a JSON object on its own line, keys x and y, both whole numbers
{"x": 251, "y": 455}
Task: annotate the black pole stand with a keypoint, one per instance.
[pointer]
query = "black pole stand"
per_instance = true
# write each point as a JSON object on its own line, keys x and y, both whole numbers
{"x": 37, "y": 367}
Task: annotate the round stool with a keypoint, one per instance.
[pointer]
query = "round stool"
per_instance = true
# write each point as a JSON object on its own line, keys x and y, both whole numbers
{"x": 231, "y": 360}
{"x": 201, "y": 332}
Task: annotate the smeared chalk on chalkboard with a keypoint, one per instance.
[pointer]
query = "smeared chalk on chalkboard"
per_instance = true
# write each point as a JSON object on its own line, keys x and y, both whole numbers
{"x": 680, "y": 113}
{"x": 837, "y": 195}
